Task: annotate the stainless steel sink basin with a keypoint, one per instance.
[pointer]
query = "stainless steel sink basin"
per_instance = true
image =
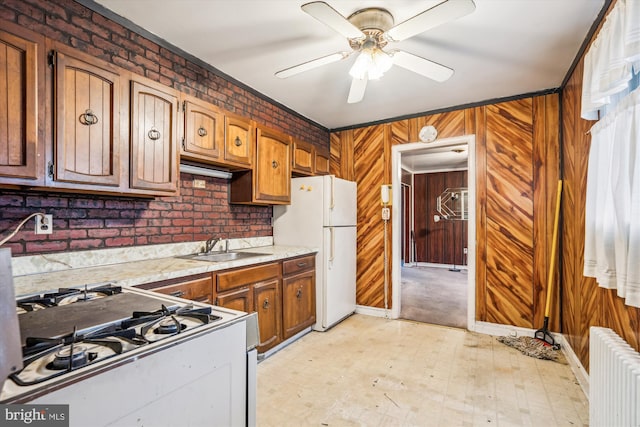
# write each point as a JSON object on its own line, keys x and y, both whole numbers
{"x": 221, "y": 256}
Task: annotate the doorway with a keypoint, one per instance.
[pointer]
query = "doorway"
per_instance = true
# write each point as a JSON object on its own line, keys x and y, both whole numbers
{"x": 407, "y": 159}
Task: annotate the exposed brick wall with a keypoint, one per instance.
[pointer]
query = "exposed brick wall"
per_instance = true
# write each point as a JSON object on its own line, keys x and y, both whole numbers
{"x": 94, "y": 222}
{"x": 90, "y": 222}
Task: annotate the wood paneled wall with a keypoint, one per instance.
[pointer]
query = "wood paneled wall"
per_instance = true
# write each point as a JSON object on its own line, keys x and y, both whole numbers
{"x": 517, "y": 165}
{"x": 584, "y": 303}
{"x": 435, "y": 240}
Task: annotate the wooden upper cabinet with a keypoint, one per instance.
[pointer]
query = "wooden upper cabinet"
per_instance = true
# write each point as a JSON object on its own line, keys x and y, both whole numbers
{"x": 87, "y": 116}
{"x": 203, "y": 130}
{"x": 154, "y": 155}
{"x": 272, "y": 171}
{"x": 321, "y": 163}
{"x": 269, "y": 181}
{"x": 302, "y": 157}
{"x": 21, "y": 106}
{"x": 239, "y": 141}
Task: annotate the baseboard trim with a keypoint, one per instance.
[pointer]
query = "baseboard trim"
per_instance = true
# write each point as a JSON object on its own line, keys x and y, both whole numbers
{"x": 576, "y": 366}
{"x": 443, "y": 266}
{"x": 373, "y": 311}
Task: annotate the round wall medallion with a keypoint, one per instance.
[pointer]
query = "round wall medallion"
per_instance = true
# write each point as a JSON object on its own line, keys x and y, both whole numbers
{"x": 428, "y": 134}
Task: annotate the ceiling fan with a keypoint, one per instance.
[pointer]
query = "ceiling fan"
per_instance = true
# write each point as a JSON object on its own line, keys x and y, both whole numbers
{"x": 369, "y": 31}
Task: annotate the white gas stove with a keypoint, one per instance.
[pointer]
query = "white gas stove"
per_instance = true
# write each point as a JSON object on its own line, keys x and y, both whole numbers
{"x": 153, "y": 357}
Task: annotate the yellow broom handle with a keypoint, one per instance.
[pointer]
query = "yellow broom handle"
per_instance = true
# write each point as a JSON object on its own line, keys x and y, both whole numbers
{"x": 554, "y": 244}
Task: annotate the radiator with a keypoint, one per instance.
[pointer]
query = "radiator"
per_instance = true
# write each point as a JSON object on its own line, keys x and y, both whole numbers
{"x": 614, "y": 380}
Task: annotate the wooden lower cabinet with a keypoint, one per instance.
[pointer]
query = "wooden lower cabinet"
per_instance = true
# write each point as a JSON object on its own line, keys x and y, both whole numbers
{"x": 267, "y": 303}
{"x": 282, "y": 293}
{"x": 195, "y": 288}
{"x": 298, "y": 295}
{"x": 298, "y": 299}
{"x": 255, "y": 289}
{"x": 239, "y": 299}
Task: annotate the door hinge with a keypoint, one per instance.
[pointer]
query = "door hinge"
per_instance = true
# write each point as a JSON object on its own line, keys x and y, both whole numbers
{"x": 52, "y": 58}
{"x": 50, "y": 169}
{"x": 184, "y": 106}
{"x": 184, "y": 147}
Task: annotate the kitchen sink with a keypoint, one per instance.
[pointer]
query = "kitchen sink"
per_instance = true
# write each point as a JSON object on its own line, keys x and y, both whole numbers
{"x": 222, "y": 256}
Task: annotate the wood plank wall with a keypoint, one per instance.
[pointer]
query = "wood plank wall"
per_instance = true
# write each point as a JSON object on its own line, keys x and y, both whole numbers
{"x": 584, "y": 303}
{"x": 517, "y": 165}
{"x": 434, "y": 239}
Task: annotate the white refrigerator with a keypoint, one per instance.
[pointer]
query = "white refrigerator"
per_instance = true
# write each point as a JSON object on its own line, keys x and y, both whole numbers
{"x": 322, "y": 214}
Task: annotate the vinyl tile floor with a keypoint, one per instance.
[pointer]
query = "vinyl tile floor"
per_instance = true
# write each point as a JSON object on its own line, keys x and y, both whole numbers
{"x": 370, "y": 371}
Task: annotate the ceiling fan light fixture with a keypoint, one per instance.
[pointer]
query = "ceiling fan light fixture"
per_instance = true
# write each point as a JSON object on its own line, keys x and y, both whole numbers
{"x": 371, "y": 64}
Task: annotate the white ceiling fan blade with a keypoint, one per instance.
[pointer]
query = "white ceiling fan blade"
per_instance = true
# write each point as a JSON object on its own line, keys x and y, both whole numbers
{"x": 330, "y": 17}
{"x": 439, "y": 14}
{"x": 314, "y": 63}
{"x": 356, "y": 93}
{"x": 422, "y": 66}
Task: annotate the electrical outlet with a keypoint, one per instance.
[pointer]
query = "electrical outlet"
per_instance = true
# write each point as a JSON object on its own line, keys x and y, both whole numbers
{"x": 465, "y": 250}
{"x": 44, "y": 225}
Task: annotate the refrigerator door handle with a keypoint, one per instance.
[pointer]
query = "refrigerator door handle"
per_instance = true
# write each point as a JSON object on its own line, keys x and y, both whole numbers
{"x": 333, "y": 245}
{"x": 333, "y": 191}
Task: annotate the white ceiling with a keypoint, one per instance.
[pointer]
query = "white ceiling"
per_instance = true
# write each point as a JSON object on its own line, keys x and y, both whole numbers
{"x": 438, "y": 159}
{"x": 504, "y": 48}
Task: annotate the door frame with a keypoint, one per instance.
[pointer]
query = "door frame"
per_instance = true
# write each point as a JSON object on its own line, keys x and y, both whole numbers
{"x": 396, "y": 237}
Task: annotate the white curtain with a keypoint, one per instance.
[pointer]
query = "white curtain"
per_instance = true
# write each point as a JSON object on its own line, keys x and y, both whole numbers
{"x": 612, "y": 59}
{"x": 612, "y": 223}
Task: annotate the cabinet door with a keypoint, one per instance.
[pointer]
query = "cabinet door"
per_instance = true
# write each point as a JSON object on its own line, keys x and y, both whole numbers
{"x": 87, "y": 116}
{"x": 266, "y": 297}
{"x": 299, "y": 308}
{"x": 239, "y": 141}
{"x": 239, "y": 299}
{"x": 203, "y": 130}
{"x": 302, "y": 158}
{"x": 321, "y": 163}
{"x": 272, "y": 171}
{"x": 21, "y": 105}
{"x": 154, "y": 160}
{"x": 195, "y": 290}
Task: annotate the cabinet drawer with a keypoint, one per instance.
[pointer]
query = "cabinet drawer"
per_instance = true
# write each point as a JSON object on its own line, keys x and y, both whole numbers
{"x": 196, "y": 289}
{"x": 296, "y": 265}
{"x": 245, "y": 276}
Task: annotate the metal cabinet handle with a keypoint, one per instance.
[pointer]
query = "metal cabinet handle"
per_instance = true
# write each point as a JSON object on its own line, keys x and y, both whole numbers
{"x": 88, "y": 118}
{"x": 299, "y": 293}
{"x": 301, "y": 264}
{"x": 202, "y": 131}
{"x": 265, "y": 304}
{"x": 153, "y": 134}
{"x": 237, "y": 141}
{"x": 274, "y": 164}
{"x": 177, "y": 294}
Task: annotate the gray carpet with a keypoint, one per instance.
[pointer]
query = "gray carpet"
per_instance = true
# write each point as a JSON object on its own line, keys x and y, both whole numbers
{"x": 434, "y": 295}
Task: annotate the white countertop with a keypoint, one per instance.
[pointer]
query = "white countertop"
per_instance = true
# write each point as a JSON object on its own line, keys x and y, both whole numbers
{"x": 137, "y": 272}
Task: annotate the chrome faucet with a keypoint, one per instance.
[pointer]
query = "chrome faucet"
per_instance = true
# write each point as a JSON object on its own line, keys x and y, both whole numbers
{"x": 210, "y": 243}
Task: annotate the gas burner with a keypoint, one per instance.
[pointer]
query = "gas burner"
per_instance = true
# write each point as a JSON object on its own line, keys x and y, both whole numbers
{"x": 169, "y": 326}
{"x": 64, "y": 296}
{"x": 67, "y": 296}
{"x": 71, "y": 357}
{"x": 59, "y": 360}
{"x": 29, "y": 306}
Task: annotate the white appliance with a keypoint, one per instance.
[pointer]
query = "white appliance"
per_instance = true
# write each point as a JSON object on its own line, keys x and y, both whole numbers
{"x": 322, "y": 214}
{"x": 121, "y": 356}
